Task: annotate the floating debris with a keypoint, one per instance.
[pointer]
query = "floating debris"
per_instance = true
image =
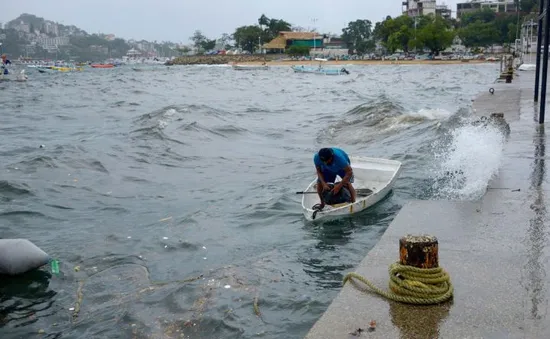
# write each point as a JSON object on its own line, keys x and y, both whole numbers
{"x": 227, "y": 286}
{"x": 79, "y": 297}
{"x": 165, "y": 238}
{"x": 357, "y": 332}
{"x": 165, "y": 219}
{"x": 256, "y": 307}
{"x": 372, "y": 326}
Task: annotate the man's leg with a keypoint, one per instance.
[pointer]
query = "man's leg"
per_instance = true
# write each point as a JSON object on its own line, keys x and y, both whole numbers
{"x": 349, "y": 186}
{"x": 352, "y": 191}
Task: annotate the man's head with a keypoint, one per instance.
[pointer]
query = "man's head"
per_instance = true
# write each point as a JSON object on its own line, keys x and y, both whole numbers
{"x": 326, "y": 154}
{"x": 4, "y": 57}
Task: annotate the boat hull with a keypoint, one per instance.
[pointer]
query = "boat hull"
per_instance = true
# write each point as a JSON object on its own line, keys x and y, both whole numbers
{"x": 102, "y": 65}
{"x": 377, "y": 175}
{"x": 250, "y": 67}
{"x": 320, "y": 71}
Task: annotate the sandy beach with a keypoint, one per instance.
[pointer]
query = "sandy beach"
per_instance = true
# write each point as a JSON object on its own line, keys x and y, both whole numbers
{"x": 363, "y": 62}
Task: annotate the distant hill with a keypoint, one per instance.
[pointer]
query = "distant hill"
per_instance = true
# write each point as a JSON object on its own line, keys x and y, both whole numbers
{"x": 43, "y": 26}
{"x": 35, "y": 37}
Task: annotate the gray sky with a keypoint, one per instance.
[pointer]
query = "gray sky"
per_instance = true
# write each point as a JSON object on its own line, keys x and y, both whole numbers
{"x": 176, "y": 20}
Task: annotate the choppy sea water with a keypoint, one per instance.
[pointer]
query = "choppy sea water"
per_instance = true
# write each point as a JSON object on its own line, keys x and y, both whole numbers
{"x": 168, "y": 194}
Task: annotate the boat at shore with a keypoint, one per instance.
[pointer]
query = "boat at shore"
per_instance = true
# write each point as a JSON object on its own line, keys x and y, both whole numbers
{"x": 373, "y": 180}
{"x": 102, "y": 65}
{"x": 320, "y": 69}
{"x": 250, "y": 67}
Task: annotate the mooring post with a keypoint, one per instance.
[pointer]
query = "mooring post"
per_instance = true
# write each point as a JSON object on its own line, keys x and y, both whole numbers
{"x": 545, "y": 63}
{"x": 539, "y": 44}
{"x": 419, "y": 251}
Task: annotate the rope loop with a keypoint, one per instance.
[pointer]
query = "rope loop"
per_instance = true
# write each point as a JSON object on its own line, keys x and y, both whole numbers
{"x": 411, "y": 285}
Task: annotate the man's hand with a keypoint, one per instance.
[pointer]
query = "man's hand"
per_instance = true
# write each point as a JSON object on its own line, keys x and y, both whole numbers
{"x": 325, "y": 187}
{"x": 336, "y": 189}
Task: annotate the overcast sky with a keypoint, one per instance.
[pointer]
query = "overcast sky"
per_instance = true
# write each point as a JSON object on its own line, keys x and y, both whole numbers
{"x": 176, "y": 20}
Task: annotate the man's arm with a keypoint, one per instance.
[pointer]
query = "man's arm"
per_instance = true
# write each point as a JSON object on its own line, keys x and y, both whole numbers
{"x": 345, "y": 179}
{"x": 320, "y": 175}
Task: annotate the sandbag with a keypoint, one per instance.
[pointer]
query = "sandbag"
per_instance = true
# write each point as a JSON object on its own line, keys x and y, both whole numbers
{"x": 18, "y": 256}
{"x": 344, "y": 195}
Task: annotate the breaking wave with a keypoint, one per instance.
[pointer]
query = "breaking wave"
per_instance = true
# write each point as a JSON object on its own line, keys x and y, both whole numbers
{"x": 378, "y": 118}
{"x": 466, "y": 159}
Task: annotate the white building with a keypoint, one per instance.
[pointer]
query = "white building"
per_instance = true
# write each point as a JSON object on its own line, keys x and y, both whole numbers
{"x": 51, "y": 44}
{"x": 419, "y": 7}
{"x": 51, "y": 28}
{"x": 499, "y": 6}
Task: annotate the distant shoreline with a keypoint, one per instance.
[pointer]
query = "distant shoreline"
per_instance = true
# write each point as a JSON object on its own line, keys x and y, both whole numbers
{"x": 276, "y": 60}
{"x": 362, "y": 62}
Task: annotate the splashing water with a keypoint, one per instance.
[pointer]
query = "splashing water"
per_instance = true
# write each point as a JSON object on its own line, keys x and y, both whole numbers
{"x": 468, "y": 158}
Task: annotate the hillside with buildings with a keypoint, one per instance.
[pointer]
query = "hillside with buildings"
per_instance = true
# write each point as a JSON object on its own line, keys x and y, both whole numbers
{"x": 34, "y": 37}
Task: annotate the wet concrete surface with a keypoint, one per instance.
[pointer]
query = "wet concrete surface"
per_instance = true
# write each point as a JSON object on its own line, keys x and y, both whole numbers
{"x": 496, "y": 249}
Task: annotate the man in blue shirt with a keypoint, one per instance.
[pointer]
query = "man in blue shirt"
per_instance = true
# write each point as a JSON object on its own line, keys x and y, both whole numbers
{"x": 4, "y": 64}
{"x": 329, "y": 163}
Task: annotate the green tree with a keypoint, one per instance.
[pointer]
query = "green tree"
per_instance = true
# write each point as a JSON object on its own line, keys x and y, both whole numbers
{"x": 436, "y": 35}
{"x": 484, "y": 15}
{"x": 183, "y": 50}
{"x": 272, "y": 27}
{"x": 505, "y": 24}
{"x": 478, "y": 34}
{"x": 198, "y": 39}
{"x": 358, "y": 35}
{"x": 396, "y": 33}
{"x": 225, "y": 40}
{"x": 298, "y": 50}
{"x": 246, "y": 37}
{"x": 529, "y": 6}
{"x": 208, "y": 45}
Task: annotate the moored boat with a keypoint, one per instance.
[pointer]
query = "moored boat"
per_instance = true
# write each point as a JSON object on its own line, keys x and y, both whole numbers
{"x": 102, "y": 65}
{"x": 250, "y": 67}
{"x": 373, "y": 180}
{"x": 320, "y": 69}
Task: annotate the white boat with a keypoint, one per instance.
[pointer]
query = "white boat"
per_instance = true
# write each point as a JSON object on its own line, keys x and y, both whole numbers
{"x": 319, "y": 69}
{"x": 373, "y": 180}
{"x": 250, "y": 67}
{"x": 527, "y": 67}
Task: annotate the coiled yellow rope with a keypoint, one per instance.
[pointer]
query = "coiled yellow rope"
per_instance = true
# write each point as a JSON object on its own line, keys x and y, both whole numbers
{"x": 412, "y": 285}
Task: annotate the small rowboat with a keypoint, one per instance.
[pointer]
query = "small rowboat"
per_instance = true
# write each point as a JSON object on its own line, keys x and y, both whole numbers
{"x": 102, "y": 65}
{"x": 373, "y": 180}
{"x": 320, "y": 70}
{"x": 250, "y": 67}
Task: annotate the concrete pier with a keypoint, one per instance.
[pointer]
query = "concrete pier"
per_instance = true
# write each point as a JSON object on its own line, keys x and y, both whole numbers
{"x": 496, "y": 249}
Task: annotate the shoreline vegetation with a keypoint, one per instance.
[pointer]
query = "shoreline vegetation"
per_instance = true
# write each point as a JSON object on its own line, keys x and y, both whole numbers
{"x": 278, "y": 61}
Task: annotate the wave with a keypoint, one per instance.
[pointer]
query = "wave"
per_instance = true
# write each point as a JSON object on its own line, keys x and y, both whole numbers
{"x": 466, "y": 159}
{"x": 10, "y": 191}
{"x": 379, "y": 117}
{"x": 185, "y": 124}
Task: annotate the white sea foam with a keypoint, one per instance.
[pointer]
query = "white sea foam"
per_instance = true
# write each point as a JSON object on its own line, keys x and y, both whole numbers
{"x": 466, "y": 161}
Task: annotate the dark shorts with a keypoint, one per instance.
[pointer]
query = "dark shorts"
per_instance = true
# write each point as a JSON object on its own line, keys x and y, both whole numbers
{"x": 331, "y": 176}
